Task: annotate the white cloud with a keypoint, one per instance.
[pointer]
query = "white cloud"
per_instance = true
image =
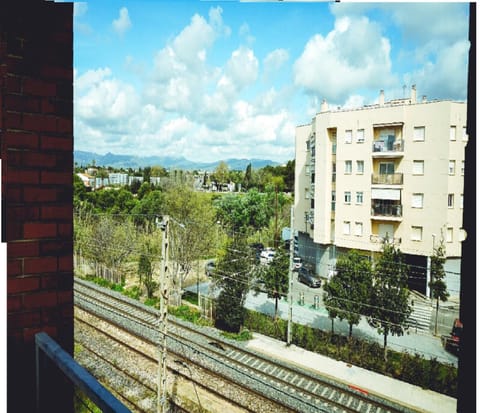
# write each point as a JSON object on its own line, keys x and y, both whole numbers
{"x": 242, "y": 68}
{"x": 275, "y": 60}
{"x": 79, "y": 9}
{"x": 123, "y": 23}
{"x": 352, "y": 56}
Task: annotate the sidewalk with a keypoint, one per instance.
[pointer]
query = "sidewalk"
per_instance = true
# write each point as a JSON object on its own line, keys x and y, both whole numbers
{"x": 403, "y": 393}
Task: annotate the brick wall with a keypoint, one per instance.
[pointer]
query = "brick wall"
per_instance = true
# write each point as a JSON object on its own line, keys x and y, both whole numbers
{"x": 36, "y": 133}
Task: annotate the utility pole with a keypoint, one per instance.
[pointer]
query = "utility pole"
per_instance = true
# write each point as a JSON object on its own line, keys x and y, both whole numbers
{"x": 162, "y": 406}
{"x": 290, "y": 280}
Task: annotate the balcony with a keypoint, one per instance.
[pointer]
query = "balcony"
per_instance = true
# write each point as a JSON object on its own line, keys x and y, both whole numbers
{"x": 388, "y": 148}
{"x": 386, "y": 211}
{"x": 387, "y": 179}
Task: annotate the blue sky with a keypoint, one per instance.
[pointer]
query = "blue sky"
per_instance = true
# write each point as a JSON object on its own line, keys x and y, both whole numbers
{"x": 211, "y": 80}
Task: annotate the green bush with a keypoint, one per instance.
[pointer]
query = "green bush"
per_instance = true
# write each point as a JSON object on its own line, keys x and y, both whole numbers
{"x": 414, "y": 369}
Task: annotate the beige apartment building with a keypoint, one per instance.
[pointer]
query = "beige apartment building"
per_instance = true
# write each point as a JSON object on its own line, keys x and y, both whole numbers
{"x": 393, "y": 169}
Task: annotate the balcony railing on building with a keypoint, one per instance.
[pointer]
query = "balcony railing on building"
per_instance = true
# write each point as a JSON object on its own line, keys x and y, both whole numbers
{"x": 387, "y": 179}
{"x": 388, "y": 145}
{"x": 386, "y": 210}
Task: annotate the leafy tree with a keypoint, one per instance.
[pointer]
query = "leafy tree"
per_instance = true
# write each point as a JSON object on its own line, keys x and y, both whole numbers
{"x": 437, "y": 284}
{"x": 247, "y": 179}
{"x": 221, "y": 173}
{"x": 144, "y": 189}
{"x": 134, "y": 186}
{"x": 274, "y": 277}
{"x": 191, "y": 230}
{"x": 149, "y": 207}
{"x": 233, "y": 277}
{"x": 124, "y": 202}
{"x": 145, "y": 272}
{"x": 389, "y": 307}
{"x": 348, "y": 290}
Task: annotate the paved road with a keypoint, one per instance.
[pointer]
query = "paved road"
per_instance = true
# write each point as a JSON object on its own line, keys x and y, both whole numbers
{"x": 425, "y": 344}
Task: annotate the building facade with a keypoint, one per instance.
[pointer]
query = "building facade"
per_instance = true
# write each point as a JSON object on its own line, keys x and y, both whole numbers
{"x": 390, "y": 170}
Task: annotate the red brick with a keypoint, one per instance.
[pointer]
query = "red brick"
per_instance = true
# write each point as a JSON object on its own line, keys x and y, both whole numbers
{"x": 20, "y": 103}
{"x": 65, "y": 297}
{"x": 22, "y": 284}
{"x": 40, "y": 265}
{"x": 22, "y": 320}
{"x": 65, "y": 125}
{"x": 56, "y": 247}
{"x": 14, "y": 230}
{"x": 14, "y": 267}
{"x": 14, "y": 194}
{"x": 48, "y": 107}
{"x": 42, "y": 159}
{"x": 20, "y": 176}
{"x": 23, "y": 249}
{"x": 40, "y": 299}
{"x": 56, "y": 72}
{"x": 29, "y": 333}
{"x": 39, "y": 87}
{"x": 65, "y": 263}
{"x": 22, "y": 213}
{"x": 14, "y": 303}
{"x": 13, "y": 84}
{"x": 59, "y": 212}
{"x": 39, "y": 123}
{"x": 37, "y": 194}
{"x": 34, "y": 230}
{"x": 58, "y": 144}
{"x": 21, "y": 140}
{"x": 13, "y": 120}
{"x": 60, "y": 178}
{"x": 65, "y": 230}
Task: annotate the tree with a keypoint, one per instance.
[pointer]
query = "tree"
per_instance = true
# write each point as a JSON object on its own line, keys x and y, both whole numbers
{"x": 274, "y": 277}
{"x": 221, "y": 173}
{"x": 348, "y": 290}
{"x": 437, "y": 284}
{"x": 389, "y": 308}
{"x": 233, "y": 277}
{"x": 191, "y": 231}
{"x": 247, "y": 179}
{"x": 145, "y": 272}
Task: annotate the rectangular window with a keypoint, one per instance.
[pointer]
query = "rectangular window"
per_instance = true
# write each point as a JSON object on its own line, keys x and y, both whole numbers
{"x": 334, "y": 172}
{"x": 348, "y": 197}
{"x": 419, "y": 133}
{"x": 451, "y": 199}
{"x": 417, "y": 201}
{"x": 360, "y": 167}
{"x": 451, "y": 167}
{"x": 346, "y": 227}
{"x": 464, "y": 134}
{"x": 418, "y": 168}
{"x": 312, "y": 203}
{"x": 386, "y": 168}
{"x": 307, "y": 169}
{"x": 358, "y": 229}
{"x": 307, "y": 193}
{"x": 449, "y": 234}
{"x": 416, "y": 233}
{"x": 348, "y": 136}
{"x": 360, "y": 135}
{"x": 461, "y": 201}
{"x": 359, "y": 197}
{"x": 334, "y": 200}
{"x": 453, "y": 133}
{"x": 462, "y": 170}
{"x": 348, "y": 167}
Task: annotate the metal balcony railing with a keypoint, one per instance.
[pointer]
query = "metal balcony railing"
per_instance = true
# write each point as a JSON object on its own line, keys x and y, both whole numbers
{"x": 52, "y": 360}
{"x": 388, "y": 146}
{"x": 387, "y": 210}
{"x": 388, "y": 179}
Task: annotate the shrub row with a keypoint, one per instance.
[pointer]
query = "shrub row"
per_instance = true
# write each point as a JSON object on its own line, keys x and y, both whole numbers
{"x": 413, "y": 369}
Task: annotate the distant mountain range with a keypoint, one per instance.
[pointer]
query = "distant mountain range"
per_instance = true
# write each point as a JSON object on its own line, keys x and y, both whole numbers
{"x": 168, "y": 162}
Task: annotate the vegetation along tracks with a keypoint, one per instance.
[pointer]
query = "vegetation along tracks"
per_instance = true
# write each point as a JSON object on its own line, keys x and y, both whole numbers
{"x": 288, "y": 386}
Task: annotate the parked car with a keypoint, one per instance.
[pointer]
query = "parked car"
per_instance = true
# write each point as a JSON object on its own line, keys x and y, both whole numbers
{"x": 266, "y": 256}
{"x": 306, "y": 277}
{"x": 209, "y": 268}
{"x": 297, "y": 263}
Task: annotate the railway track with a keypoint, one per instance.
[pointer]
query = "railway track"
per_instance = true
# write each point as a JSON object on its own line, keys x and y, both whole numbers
{"x": 288, "y": 386}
